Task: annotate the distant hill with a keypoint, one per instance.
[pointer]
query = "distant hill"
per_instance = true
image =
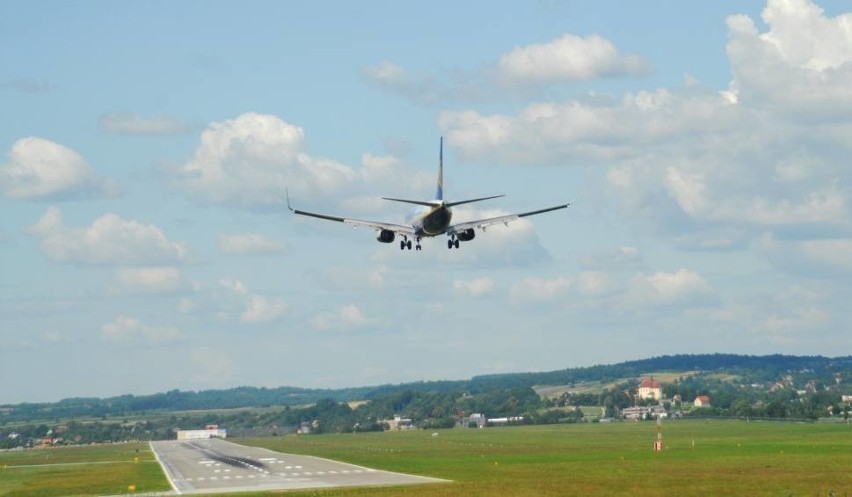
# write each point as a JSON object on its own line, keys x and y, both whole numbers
{"x": 749, "y": 369}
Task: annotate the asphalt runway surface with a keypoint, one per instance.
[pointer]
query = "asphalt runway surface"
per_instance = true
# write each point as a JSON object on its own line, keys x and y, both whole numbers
{"x": 215, "y": 465}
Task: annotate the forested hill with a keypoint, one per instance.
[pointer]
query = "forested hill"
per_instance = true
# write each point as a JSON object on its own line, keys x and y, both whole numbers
{"x": 755, "y": 368}
{"x": 747, "y": 368}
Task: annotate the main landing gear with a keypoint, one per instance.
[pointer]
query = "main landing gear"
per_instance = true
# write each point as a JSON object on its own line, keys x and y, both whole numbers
{"x": 405, "y": 243}
{"x": 453, "y": 242}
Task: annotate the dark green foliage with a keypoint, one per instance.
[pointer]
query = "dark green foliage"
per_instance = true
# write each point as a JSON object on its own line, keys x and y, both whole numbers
{"x": 777, "y": 387}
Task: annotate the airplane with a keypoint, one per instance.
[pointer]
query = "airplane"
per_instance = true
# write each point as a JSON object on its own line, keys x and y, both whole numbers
{"x": 432, "y": 218}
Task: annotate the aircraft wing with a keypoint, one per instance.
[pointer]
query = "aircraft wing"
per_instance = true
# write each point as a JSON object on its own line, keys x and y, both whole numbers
{"x": 483, "y": 223}
{"x": 379, "y": 225}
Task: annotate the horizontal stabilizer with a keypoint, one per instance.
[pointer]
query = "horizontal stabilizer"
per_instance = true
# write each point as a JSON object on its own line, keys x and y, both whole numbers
{"x": 460, "y": 202}
{"x": 434, "y": 203}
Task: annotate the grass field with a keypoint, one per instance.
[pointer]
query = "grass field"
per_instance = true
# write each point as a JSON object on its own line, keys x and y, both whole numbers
{"x": 90, "y": 470}
{"x": 702, "y": 458}
{"x": 727, "y": 458}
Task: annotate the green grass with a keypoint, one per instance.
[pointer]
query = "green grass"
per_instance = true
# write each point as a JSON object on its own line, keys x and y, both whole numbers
{"x": 702, "y": 458}
{"x": 728, "y": 458}
{"x": 71, "y": 471}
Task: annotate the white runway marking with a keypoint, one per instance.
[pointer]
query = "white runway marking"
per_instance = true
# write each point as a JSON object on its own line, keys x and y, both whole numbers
{"x": 213, "y": 466}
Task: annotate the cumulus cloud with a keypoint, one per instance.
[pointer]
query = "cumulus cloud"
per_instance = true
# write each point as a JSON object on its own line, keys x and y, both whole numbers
{"x": 622, "y": 257}
{"x": 255, "y": 308}
{"x": 129, "y": 330}
{"x": 260, "y": 309}
{"x": 682, "y": 287}
{"x": 782, "y": 325}
{"x": 569, "y": 58}
{"x": 109, "y": 240}
{"x": 425, "y": 89}
{"x": 249, "y": 243}
{"x": 39, "y": 169}
{"x": 248, "y": 161}
{"x": 158, "y": 279}
{"x": 801, "y": 64}
{"x": 711, "y": 169}
{"x": 345, "y": 318}
{"x": 816, "y": 257}
{"x": 474, "y": 288}
{"x": 126, "y": 123}
{"x": 541, "y": 288}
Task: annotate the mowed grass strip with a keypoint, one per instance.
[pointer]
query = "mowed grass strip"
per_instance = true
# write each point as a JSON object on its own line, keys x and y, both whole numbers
{"x": 701, "y": 458}
{"x": 89, "y": 470}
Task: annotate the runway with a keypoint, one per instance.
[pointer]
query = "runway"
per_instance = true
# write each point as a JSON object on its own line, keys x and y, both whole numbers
{"x": 217, "y": 466}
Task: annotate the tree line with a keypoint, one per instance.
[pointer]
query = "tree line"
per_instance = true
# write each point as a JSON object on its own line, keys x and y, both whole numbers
{"x": 741, "y": 386}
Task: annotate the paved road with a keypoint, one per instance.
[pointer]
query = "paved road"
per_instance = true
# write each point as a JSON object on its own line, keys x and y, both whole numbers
{"x": 211, "y": 466}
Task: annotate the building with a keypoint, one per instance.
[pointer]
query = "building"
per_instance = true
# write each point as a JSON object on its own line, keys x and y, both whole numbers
{"x": 210, "y": 431}
{"x": 643, "y": 412}
{"x": 398, "y": 423}
{"x": 650, "y": 390}
{"x": 702, "y": 401}
{"x": 846, "y": 398}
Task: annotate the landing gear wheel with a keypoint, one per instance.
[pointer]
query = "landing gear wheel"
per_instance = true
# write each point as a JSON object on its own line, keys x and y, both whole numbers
{"x": 450, "y": 244}
{"x": 456, "y": 243}
{"x": 408, "y": 244}
{"x": 402, "y": 244}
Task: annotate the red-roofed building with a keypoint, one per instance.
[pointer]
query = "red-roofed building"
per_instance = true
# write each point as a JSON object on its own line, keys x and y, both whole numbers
{"x": 702, "y": 401}
{"x": 650, "y": 389}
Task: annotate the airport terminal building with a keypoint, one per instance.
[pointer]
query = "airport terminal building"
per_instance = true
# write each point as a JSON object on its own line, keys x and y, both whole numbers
{"x": 210, "y": 431}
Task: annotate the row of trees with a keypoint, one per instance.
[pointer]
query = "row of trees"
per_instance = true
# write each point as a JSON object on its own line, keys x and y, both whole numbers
{"x": 750, "y": 387}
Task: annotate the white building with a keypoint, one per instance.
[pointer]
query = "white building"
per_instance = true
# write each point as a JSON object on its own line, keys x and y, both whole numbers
{"x": 650, "y": 389}
{"x": 205, "y": 434}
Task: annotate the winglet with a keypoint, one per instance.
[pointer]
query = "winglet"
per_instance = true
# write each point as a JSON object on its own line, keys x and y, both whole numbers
{"x": 287, "y": 194}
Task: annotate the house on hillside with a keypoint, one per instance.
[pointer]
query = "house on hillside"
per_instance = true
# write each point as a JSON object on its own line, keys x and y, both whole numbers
{"x": 650, "y": 389}
{"x": 702, "y": 401}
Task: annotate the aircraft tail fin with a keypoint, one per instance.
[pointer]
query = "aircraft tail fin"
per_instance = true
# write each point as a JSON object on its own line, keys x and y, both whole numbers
{"x": 439, "y": 194}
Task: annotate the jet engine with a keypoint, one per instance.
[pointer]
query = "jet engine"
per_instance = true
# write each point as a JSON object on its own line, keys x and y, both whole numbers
{"x": 385, "y": 236}
{"x": 466, "y": 235}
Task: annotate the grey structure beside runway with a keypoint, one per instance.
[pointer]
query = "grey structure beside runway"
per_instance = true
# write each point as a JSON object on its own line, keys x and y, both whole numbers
{"x": 213, "y": 466}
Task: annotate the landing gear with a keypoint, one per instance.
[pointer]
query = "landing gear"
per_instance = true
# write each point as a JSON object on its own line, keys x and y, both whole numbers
{"x": 452, "y": 243}
{"x": 417, "y": 246}
{"x": 405, "y": 243}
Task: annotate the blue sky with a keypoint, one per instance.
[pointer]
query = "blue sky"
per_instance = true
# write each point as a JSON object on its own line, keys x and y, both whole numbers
{"x": 145, "y": 147}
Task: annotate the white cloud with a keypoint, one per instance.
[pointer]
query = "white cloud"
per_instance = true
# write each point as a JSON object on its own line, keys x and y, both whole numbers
{"x": 425, "y": 89}
{"x": 235, "y": 286}
{"x": 801, "y": 64}
{"x": 130, "y": 330}
{"x": 156, "y": 279}
{"x": 541, "y": 288}
{"x": 260, "y": 309}
{"x": 474, "y": 288}
{"x": 109, "y": 240}
{"x": 39, "y": 169}
{"x": 783, "y": 327}
{"x": 683, "y": 287}
{"x": 569, "y": 58}
{"x": 385, "y": 72}
{"x": 255, "y": 308}
{"x": 625, "y": 256}
{"x": 126, "y": 123}
{"x": 249, "y": 243}
{"x": 830, "y": 257}
{"x": 345, "y": 318}
{"x": 248, "y": 161}
{"x": 593, "y": 283}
